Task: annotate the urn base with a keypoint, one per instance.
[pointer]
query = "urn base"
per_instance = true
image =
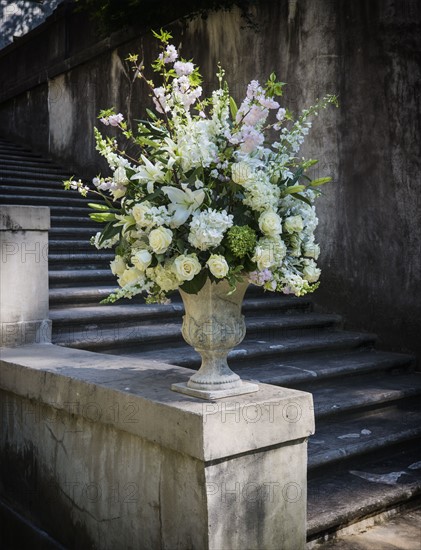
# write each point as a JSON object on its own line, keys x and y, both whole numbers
{"x": 243, "y": 388}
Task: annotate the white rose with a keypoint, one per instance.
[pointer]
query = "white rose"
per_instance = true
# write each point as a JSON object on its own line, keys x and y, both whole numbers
{"x": 312, "y": 250}
{"x": 186, "y": 267}
{"x": 311, "y": 273}
{"x": 241, "y": 173}
{"x": 141, "y": 259}
{"x": 294, "y": 224}
{"x": 139, "y": 211}
{"x": 263, "y": 257}
{"x": 218, "y": 266}
{"x": 270, "y": 223}
{"x": 118, "y": 266}
{"x": 160, "y": 239}
{"x": 130, "y": 276}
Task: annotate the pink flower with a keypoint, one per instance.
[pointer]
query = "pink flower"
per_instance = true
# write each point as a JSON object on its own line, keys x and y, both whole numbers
{"x": 115, "y": 120}
{"x": 259, "y": 278}
{"x": 251, "y": 139}
{"x": 255, "y": 114}
{"x": 268, "y": 103}
{"x": 160, "y": 100}
{"x": 112, "y": 120}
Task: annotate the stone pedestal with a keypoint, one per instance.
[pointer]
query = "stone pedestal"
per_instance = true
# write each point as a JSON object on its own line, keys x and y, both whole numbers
{"x": 118, "y": 460}
{"x": 24, "y": 275}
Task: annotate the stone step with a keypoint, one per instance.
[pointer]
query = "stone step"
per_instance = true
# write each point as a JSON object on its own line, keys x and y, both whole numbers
{"x": 103, "y": 330}
{"x": 345, "y": 436}
{"x": 75, "y": 277}
{"x": 8, "y": 162}
{"x": 28, "y": 173}
{"x": 20, "y": 154}
{"x": 40, "y": 199}
{"x": 70, "y": 246}
{"x": 370, "y": 390}
{"x": 8, "y": 146}
{"x": 31, "y": 186}
{"x": 16, "y": 159}
{"x": 140, "y": 315}
{"x": 338, "y": 498}
{"x": 69, "y": 212}
{"x": 304, "y": 370}
{"x": 79, "y": 260}
{"x": 93, "y": 295}
{"x": 24, "y": 156}
{"x": 134, "y": 342}
{"x": 76, "y": 296}
{"x": 64, "y": 225}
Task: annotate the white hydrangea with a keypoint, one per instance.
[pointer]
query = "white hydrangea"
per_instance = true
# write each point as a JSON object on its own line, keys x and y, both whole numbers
{"x": 261, "y": 195}
{"x": 207, "y": 228}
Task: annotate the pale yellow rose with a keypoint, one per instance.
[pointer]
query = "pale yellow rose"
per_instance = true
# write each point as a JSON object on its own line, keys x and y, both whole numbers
{"x": 160, "y": 239}
{"x": 118, "y": 265}
{"x": 264, "y": 257}
{"x": 141, "y": 259}
{"x": 186, "y": 267}
{"x": 218, "y": 266}
{"x": 130, "y": 276}
{"x": 270, "y": 223}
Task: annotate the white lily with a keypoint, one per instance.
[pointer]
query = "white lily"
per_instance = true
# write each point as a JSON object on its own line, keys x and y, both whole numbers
{"x": 149, "y": 173}
{"x": 183, "y": 203}
{"x": 127, "y": 221}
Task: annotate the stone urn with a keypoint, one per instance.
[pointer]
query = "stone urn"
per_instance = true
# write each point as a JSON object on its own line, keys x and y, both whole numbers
{"x": 213, "y": 325}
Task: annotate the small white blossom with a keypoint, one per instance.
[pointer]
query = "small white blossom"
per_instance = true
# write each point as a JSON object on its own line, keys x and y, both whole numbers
{"x": 169, "y": 55}
{"x": 183, "y": 68}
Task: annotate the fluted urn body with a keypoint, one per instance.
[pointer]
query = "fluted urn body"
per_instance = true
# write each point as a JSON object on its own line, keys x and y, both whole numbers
{"x": 213, "y": 325}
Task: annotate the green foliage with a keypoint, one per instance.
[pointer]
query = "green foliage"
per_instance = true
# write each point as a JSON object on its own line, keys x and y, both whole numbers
{"x": 196, "y": 284}
{"x": 273, "y": 87}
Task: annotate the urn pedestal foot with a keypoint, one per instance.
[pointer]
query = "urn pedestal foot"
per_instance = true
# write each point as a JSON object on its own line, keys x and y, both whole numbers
{"x": 244, "y": 387}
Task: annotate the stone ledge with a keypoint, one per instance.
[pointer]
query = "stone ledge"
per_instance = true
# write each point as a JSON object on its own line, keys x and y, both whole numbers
{"x": 16, "y": 217}
{"x": 96, "y": 385}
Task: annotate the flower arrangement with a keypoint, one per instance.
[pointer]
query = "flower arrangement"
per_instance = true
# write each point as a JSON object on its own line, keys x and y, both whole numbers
{"x": 215, "y": 191}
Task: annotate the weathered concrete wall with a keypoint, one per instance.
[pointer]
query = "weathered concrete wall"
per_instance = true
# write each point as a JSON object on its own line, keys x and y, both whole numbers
{"x": 367, "y": 52}
{"x": 102, "y": 454}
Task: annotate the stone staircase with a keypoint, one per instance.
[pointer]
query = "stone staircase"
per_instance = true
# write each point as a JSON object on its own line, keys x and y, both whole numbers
{"x": 364, "y": 459}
